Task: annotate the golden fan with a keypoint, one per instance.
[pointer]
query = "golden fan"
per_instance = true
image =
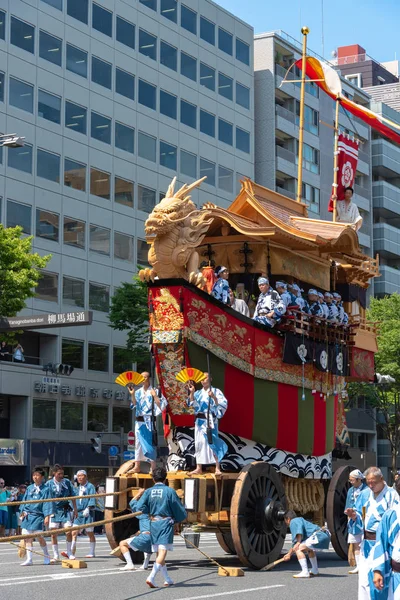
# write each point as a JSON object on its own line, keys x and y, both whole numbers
{"x": 190, "y": 374}
{"x": 129, "y": 377}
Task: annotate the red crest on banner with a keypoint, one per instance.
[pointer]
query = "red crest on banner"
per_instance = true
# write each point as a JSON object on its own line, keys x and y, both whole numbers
{"x": 347, "y": 167}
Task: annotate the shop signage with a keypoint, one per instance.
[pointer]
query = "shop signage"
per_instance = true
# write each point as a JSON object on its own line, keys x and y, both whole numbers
{"x": 51, "y": 385}
{"x": 77, "y": 317}
{"x": 12, "y": 452}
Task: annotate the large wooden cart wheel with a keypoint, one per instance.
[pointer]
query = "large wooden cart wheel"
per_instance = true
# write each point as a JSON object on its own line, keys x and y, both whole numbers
{"x": 257, "y": 515}
{"x": 225, "y": 541}
{"x": 335, "y": 504}
{"x": 116, "y": 532}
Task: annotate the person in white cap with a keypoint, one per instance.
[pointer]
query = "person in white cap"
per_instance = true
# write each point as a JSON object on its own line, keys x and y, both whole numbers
{"x": 314, "y": 306}
{"x": 301, "y": 303}
{"x": 85, "y": 507}
{"x": 333, "y": 311}
{"x": 343, "y": 317}
{"x": 356, "y": 478}
{"x": 270, "y": 307}
{"x": 323, "y": 305}
{"x": 220, "y": 289}
{"x": 288, "y": 298}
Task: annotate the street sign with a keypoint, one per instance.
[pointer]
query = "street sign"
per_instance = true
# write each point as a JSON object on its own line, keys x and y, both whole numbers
{"x": 51, "y": 380}
{"x": 113, "y": 451}
{"x": 77, "y": 317}
{"x": 129, "y": 455}
{"x": 131, "y": 438}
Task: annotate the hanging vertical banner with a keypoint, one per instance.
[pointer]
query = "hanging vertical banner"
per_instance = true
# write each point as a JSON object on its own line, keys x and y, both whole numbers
{"x": 347, "y": 167}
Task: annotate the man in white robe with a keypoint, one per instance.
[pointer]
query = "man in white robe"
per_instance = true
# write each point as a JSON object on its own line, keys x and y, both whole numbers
{"x": 347, "y": 211}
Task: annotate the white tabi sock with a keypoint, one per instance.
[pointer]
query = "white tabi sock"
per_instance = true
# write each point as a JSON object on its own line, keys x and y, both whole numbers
{"x": 167, "y": 578}
{"x": 303, "y": 564}
{"x": 69, "y": 549}
{"x": 357, "y": 559}
{"x": 45, "y": 550}
{"x": 73, "y": 547}
{"x": 55, "y": 550}
{"x": 92, "y": 546}
{"x": 314, "y": 564}
{"x": 146, "y": 561}
{"x": 28, "y": 555}
{"x": 128, "y": 558}
{"x": 154, "y": 571}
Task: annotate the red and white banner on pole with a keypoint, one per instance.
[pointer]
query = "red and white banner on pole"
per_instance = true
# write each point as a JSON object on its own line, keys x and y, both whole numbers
{"x": 347, "y": 166}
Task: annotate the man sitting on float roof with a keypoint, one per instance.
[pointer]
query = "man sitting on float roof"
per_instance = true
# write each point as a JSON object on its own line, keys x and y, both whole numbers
{"x": 347, "y": 211}
{"x": 270, "y": 306}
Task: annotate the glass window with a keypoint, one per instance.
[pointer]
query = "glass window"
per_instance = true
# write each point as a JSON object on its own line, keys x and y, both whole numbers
{"x": 149, "y": 3}
{"x": 99, "y": 297}
{"x": 102, "y": 19}
{"x": 207, "y": 168}
{"x": 142, "y": 252}
{"x": 74, "y": 292}
{"x": 168, "y": 156}
{"x": 100, "y": 128}
{"x": 225, "y": 179}
{"x": 47, "y": 225}
{"x": 100, "y": 183}
{"x": 75, "y": 117}
{"x": 121, "y": 360}
{"x": 21, "y": 95}
{"x": 311, "y": 118}
{"x": 123, "y": 192}
{"x": 242, "y": 140}
{"x": 21, "y": 158}
{"x": 310, "y": 157}
{"x": 207, "y": 123}
{"x": 72, "y": 416}
{"x": 169, "y": 9}
{"x": 207, "y": 76}
{"x": 147, "y": 146}
{"x": 124, "y": 137}
{"x": 242, "y": 51}
{"x": 242, "y": 95}
{"x": 188, "y": 114}
{"x": 99, "y": 240}
{"x": 189, "y": 19}
{"x": 225, "y": 41}
{"x": 49, "y": 107}
{"x": 75, "y": 175}
{"x": 2, "y": 82}
{"x": 147, "y": 44}
{"x": 168, "y": 56}
{"x": 22, "y": 35}
{"x": 19, "y": 214}
{"x": 47, "y": 288}
{"x": 122, "y": 417}
{"x": 97, "y": 357}
{"x": 48, "y": 165}
{"x": 74, "y": 232}
{"x": 72, "y": 353}
{"x": 146, "y": 199}
{"x": 225, "y": 132}
{"x": 50, "y": 48}
{"x": 55, "y": 3}
{"x": 123, "y": 246}
{"x": 78, "y": 9}
{"x": 97, "y": 417}
{"x": 125, "y": 84}
{"x": 2, "y": 25}
{"x": 125, "y": 33}
{"x": 207, "y": 31}
{"x": 310, "y": 196}
{"x": 188, "y": 66}
{"x": 101, "y": 72}
{"x": 225, "y": 86}
{"x": 77, "y": 61}
{"x": 188, "y": 164}
{"x": 44, "y": 414}
{"x": 147, "y": 94}
{"x": 168, "y": 104}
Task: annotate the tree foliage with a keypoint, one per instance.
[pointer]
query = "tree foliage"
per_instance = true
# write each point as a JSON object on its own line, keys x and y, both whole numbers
{"x": 387, "y": 312}
{"x": 19, "y": 270}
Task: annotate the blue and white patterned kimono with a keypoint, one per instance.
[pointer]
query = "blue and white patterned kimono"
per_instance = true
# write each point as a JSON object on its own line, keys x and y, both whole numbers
{"x": 141, "y": 542}
{"x": 311, "y": 534}
{"x": 144, "y": 449}
{"x": 270, "y": 301}
{"x": 333, "y": 315}
{"x": 82, "y": 503}
{"x": 352, "y": 495}
{"x": 61, "y": 510}
{"x": 387, "y": 549}
{"x": 220, "y": 290}
{"x": 204, "y": 452}
{"x": 35, "y": 513}
{"x": 375, "y": 507}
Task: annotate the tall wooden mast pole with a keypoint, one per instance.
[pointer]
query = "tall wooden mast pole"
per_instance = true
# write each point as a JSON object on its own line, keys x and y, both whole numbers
{"x": 305, "y": 31}
{"x": 335, "y": 159}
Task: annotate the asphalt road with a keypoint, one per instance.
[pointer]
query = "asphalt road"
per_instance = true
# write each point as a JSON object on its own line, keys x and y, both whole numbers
{"x": 195, "y": 577}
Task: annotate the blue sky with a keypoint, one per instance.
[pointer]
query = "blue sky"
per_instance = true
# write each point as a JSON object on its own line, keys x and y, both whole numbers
{"x": 374, "y": 24}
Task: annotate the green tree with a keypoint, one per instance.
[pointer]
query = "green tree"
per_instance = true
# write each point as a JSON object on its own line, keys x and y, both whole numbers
{"x": 129, "y": 313}
{"x": 386, "y": 311}
{"x": 19, "y": 270}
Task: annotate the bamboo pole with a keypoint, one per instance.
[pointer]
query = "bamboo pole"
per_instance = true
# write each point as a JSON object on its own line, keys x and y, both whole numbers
{"x": 336, "y": 159}
{"x": 305, "y": 31}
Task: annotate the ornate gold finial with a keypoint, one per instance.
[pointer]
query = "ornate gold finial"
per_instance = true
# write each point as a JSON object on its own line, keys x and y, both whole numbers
{"x": 305, "y": 30}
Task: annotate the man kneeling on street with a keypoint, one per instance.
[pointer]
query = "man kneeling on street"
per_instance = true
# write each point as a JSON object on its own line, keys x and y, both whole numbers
{"x": 306, "y": 538}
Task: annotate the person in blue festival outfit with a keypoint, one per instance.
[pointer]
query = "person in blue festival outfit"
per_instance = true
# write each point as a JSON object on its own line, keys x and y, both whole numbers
{"x": 141, "y": 541}
{"x": 35, "y": 516}
{"x": 314, "y": 306}
{"x": 374, "y": 501}
{"x": 220, "y": 289}
{"x": 386, "y": 557}
{"x": 287, "y": 297}
{"x": 323, "y": 305}
{"x": 356, "y": 478}
{"x": 62, "y": 511}
{"x": 164, "y": 507}
{"x": 85, "y": 507}
{"x": 333, "y": 313}
{"x": 306, "y": 537}
{"x": 144, "y": 402}
{"x": 270, "y": 307}
{"x": 209, "y": 405}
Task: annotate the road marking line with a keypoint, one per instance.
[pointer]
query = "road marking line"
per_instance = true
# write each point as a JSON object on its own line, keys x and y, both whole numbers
{"x": 72, "y": 576}
{"x": 237, "y": 591}
{"x": 23, "y": 577}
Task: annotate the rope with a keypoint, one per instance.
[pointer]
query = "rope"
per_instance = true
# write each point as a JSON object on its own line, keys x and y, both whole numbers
{"x": 67, "y": 497}
{"x": 204, "y": 554}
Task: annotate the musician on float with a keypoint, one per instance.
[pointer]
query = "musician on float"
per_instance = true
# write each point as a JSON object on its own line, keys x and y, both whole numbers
{"x": 314, "y": 306}
{"x": 270, "y": 306}
{"x": 220, "y": 289}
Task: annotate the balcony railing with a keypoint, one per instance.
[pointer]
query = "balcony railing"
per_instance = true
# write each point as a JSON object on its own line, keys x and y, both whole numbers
{"x": 286, "y": 154}
{"x": 285, "y": 192}
{"x": 285, "y": 113}
{"x": 362, "y": 191}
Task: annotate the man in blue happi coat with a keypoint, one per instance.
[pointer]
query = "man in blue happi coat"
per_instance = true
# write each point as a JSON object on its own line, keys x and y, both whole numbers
{"x": 209, "y": 406}
{"x": 147, "y": 405}
{"x": 333, "y": 313}
{"x": 270, "y": 307}
{"x": 62, "y": 511}
{"x": 85, "y": 507}
{"x": 373, "y": 502}
{"x": 386, "y": 557}
{"x": 306, "y": 538}
{"x": 220, "y": 289}
{"x": 141, "y": 541}
{"x": 35, "y": 516}
{"x": 314, "y": 307}
{"x": 164, "y": 507}
{"x": 356, "y": 478}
